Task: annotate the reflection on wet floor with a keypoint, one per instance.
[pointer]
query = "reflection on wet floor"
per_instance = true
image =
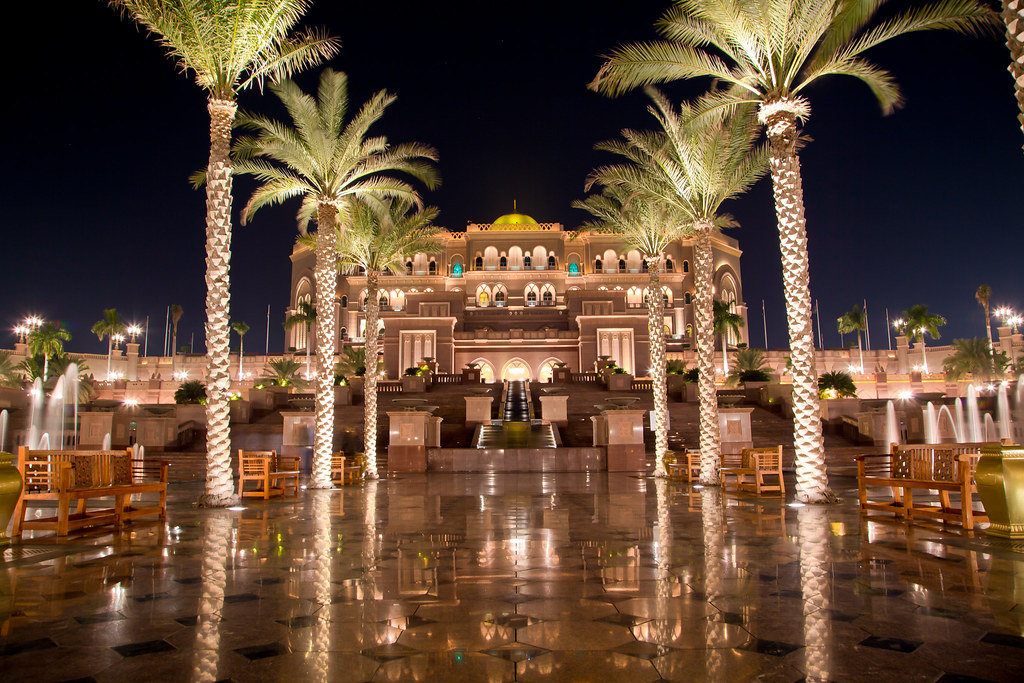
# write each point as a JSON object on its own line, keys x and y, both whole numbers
{"x": 514, "y": 577}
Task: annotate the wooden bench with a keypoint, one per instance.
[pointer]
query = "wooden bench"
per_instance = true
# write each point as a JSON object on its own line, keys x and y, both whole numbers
{"x": 351, "y": 472}
{"x": 80, "y": 476}
{"x": 944, "y": 468}
{"x": 274, "y": 473}
{"x": 683, "y": 466}
{"x": 750, "y": 467}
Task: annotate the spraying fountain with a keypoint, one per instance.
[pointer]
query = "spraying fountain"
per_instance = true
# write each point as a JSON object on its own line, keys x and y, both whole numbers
{"x": 892, "y": 425}
{"x": 47, "y": 418}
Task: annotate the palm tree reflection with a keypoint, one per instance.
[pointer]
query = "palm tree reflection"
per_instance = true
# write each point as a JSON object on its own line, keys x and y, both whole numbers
{"x": 712, "y": 519}
{"x": 321, "y": 639}
{"x": 217, "y": 544}
{"x": 815, "y": 584}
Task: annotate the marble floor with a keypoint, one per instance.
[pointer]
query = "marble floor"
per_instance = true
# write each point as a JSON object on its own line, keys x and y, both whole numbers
{"x": 555, "y": 577}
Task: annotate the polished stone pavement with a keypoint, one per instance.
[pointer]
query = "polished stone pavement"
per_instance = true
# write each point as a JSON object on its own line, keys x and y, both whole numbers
{"x": 560, "y": 577}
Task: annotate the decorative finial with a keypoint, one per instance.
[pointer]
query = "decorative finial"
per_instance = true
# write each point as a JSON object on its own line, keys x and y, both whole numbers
{"x": 514, "y": 210}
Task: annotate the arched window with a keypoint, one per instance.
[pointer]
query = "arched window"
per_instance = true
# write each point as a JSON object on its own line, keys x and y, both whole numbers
{"x": 383, "y": 300}
{"x": 687, "y": 298}
{"x": 299, "y": 332}
{"x": 486, "y": 371}
{"x": 479, "y": 263}
{"x": 515, "y": 258}
{"x": 432, "y": 267}
{"x": 500, "y": 295}
{"x": 483, "y": 295}
{"x": 668, "y": 265}
{"x": 622, "y": 265}
{"x": 397, "y": 297}
{"x": 666, "y": 295}
{"x": 516, "y": 369}
{"x": 598, "y": 265}
{"x": 408, "y": 267}
{"x": 547, "y": 369}
{"x": 547, "y": 295}
{"x": 343, "y": 333}
{"x": 527, "y": 261}
{"x": 686, "y": 266}
{"x": 531, "y": 294}
{"x": 634, "y": 298}
{"x": 552, "y": 263}
{"x": 689, "y": 330}
{"x": 503, "y": 262}
{"x": 643, "y": 266}
{"x": 363, "y": 298}
{"x": 344, "y": 301}
{"x": 457, "y": 270}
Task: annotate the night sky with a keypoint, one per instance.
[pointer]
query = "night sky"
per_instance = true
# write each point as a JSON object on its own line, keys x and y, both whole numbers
{"x": 102, "y": 133}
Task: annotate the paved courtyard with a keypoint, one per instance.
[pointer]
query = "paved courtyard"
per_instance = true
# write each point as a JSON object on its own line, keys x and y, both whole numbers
{"x": 560, "y": 577}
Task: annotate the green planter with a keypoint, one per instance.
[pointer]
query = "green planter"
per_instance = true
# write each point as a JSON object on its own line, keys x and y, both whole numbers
{"x": 10, "y": 491}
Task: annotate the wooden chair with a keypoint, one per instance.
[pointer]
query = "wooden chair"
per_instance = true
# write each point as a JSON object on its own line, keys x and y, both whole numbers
{"x": 683, "y": 466}
{"x": 345, "y": 472}
{"x": 265, "y": 468}
{"x": 749, "y": 468}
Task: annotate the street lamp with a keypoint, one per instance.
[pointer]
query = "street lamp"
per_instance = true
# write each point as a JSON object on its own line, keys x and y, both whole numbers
{"x": 134, "y": 331}
{"x": 32, "y": 322}
{"x": 117, "y": 339}
{"x": 1014, "y": 321}
{"x": 22, "y": 332}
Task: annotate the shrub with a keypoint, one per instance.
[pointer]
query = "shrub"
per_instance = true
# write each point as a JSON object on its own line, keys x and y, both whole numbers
{"x": 836, "y": 384}
{"x": 692, "y": 375}
{"x": 675, "y": 367}
{"x": 192, "y": 392}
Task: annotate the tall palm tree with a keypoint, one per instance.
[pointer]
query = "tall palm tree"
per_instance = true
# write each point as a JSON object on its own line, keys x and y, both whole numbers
{"x": 917, "y": 322}
{"x": 766, "y": 53}
{"x": 649, "y": 226}
{"x": 305, "y": 314}
{"x": 727, "y": 322}
{"x": 971, "y": 357}
{"x": 176, "y": 312}
{"x": 229, "y": 46}
{"x": 326, "y": 160}
{"x": 107, "y": 326}
{"x": 983, "y": 296}
{"x": 241, "y": 329}
{"x": 1013, "y": 19}
{"x": 47, "y": 341}
{"x": 10, "y": 376}
{"x": 855, "y": 320}
{"x": 694, "y": 166}
{"x": 380, "y": 236}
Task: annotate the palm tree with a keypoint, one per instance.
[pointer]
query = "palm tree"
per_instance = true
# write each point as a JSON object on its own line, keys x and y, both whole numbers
{"x": 1013, "y": 18}
{"x": 694, "y": 166}
{"x": 854, "y": 320}
{"x": 305, "y": 314}
{"x": 10, "y": 376}
{"x": 983, "y": 296}
{"x": 766, "y": 53}
{"x": 380, "y": 236}
{"x": 916, "y": 322}
{"x": 727, "y": 322}
{"x": 240, "y": 328}
{"x": 971, "y": 357}
{"x": 836, "y": 384}
{"x": 750, "y": 366}
{"x": 229, "y": 46}
{"x": 107, "y": 326}
{"x": 47, "y": 341}
{"x": 284, "y": 372}
{"x": 326, "y": 161}
{"x": 648, "y": 226}
{"x": 176, "y": 313}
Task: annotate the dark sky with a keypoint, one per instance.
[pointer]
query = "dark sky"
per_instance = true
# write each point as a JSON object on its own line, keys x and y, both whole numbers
{"x": 918, "y": 207}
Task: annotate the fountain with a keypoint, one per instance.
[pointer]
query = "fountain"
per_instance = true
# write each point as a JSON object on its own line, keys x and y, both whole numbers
{"x": 892, "y": 426}
{"x": 47, "y": 418}
{"x": 106, "y": 442}
{"x": 3, "y": 429}
{"x": 1003, "y": 411}
{"x": 944, "y": 411}
{"x": 961, "y": 432}
{"x": 931, "y": 424}
{"x": 974, "y": 434}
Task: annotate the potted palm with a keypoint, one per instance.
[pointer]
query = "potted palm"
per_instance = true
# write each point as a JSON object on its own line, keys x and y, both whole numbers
{"x": 751, "y": 370}
{"x": 414, "y": 381}
{"x": 619, "y": 380}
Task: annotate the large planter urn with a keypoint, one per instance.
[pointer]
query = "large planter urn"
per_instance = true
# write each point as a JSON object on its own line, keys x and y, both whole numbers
{"x": 10, "y": 491}
{"x": 620, "y": 382}
{"x": 1000, "y": 480}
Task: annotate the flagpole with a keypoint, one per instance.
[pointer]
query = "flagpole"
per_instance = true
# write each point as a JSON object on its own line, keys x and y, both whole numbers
{"x": 266, "y": 351}
{"x": 817, "y": 313}
{"x": 867, "y": 327}
{"x": 167, "y": 329}
{"x": 888, "y": 328}
{"x": 145, "y": 339}
{"x": 765, "y": 319}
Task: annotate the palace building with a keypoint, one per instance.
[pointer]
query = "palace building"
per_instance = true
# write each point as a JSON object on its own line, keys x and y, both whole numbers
{"x": 517, "y": 297}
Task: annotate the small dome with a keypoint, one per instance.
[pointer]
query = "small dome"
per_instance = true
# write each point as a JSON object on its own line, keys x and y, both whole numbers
{"x": 514, "y": 219}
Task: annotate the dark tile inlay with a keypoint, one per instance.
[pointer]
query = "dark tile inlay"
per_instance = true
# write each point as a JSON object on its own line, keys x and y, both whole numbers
{"x": 788, "y": 594}
{"x": 150, "y": 597}
{"x": 518, "y": 599}
{"x": 100, "y": 618}
{"x": 145, "y": 648}
{"x": 836, "y": 615}
{"x": 643, "y": 650}
{"x": 386, "y": 653}
{"x": 612, "y": 598}
{"x": 188, "y": 621}
{"x": 1003, "y": 639}
{"x": 66, "y": 595}
{"x": 514, "y": 620}
{"x": 769, "y": 647}
{"x": 516, "y": 653}
{"x": 273, "y": 581}
{"x": 894, "y": 644}
{"x": 190, "y": 581}
{"x": 300, "y": 622}
{"x": 961, "y": 678}
{"x": 254, "y": 652}
{"x": 240, "y": 597}
{"x": 627, "y": 620}
{"x": 26, "y": 646}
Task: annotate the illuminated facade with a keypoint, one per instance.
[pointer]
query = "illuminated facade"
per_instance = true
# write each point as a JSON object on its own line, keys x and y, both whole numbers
{"x": 517, "y": 296}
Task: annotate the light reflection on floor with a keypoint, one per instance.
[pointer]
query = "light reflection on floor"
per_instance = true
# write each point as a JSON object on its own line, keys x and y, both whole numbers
{"x": 514, "y": 577}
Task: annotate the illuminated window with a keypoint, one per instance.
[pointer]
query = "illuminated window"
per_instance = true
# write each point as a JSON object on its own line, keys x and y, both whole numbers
{"x": 686, "y": 266}
{"x": 526, "y": 261}
{"x": 432, "y": 268}
{"x": 516, "y": 369}
{"x": 531, "y": 294}
{"x": 457, "y": 270}
{"x": 668, "y": 265}
{"x": 574, "y": 269}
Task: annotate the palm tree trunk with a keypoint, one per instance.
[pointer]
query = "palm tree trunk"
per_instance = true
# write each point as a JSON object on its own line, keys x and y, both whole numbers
{"x": 924, "y": 356}
{"x": 110, "y": 351}
{"x": 659, "y": 383}
{"x": 860, "y": 351}
{"x": 1013, "y": 17}
{"x": 704, "y": 339}
{"x": 991, "y": 347}
{"x": 725, "y": 354}
{"x": 241, "y": 357}
{"x": 220, "y": 489}
{"x": 326, "y": 274}
{"x": 370, "y": 379}
{"x": 811, "y": 477}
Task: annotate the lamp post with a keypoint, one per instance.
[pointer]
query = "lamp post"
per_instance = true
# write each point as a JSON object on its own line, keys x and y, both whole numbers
{"x": 133, "y": 332}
